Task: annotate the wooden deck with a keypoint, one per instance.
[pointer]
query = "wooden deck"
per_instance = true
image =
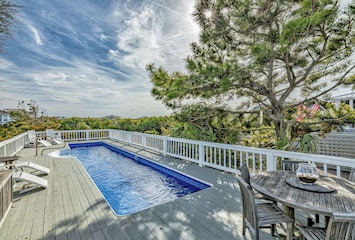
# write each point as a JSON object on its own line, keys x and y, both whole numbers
{"x": 73, "y": 208}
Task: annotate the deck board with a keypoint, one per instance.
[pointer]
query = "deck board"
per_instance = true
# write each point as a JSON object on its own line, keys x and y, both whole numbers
{"x": 73, "y": 208}
{"x": 77, "y": 211}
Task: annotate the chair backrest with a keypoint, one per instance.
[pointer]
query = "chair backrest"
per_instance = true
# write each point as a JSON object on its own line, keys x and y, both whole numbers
{"x": 244, "y": 172}
{"x": 341, "y": 227}
{"x": 290, "y": 165}
{"x": 50, "y": 133}
{"x": 249, "y": 208}
{"x": 32, "y": 135}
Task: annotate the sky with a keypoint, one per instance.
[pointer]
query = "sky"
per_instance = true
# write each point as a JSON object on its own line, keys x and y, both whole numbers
{"x": 87, "y": 58}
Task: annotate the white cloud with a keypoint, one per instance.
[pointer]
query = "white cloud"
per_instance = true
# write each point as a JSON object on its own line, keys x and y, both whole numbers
{"x": 171, "y": 10}
{"x": 36, "y": 35}
{"x": 153, "y": 34}
{"x": 5, "y": 64}
{"x": 103, "y": 37}
{"x": 93, "y": 62}
{"x": 140, "y": 39}
{"x": 95, "y": 55}
{"x": 113, "y": 53}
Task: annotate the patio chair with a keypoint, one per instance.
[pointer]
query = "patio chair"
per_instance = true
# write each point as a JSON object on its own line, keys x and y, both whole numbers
{"x": 340, "y": 227}
{"x": 33, "y": 180}
{"x": 244, "y": 173}
{"x": 290, "y": 165}
{"x": 255, "y": 216}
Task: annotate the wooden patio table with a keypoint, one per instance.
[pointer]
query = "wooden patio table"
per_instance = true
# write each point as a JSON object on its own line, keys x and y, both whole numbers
{"x": 326, "y": 196}
{"x": 8, "y": 160}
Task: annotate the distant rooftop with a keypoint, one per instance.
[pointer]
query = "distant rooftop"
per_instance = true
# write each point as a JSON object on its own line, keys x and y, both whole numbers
{"x": 344, "y": 97}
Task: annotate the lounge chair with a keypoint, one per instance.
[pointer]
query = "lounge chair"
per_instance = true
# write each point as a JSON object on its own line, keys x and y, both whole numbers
{"x": 44, "y": 142}
{"x": 53, "y": 138}
{"x": 35, "y": 181}
{"x": 32, "y": 139}
{"x": 19, "y": 166}
{"x": 36, "y": 167}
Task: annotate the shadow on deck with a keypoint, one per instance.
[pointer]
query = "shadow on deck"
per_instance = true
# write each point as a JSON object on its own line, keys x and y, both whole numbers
{"x": 73, "y": 208}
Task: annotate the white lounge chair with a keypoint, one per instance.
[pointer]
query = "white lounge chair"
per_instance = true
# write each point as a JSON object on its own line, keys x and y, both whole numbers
{"x": 13, "y": 161}
{"x": 36, "y": 167}
{"x": 44, "y": 142}
{"x": 32, "y": 138}
{"x": 52, "y": 137}
{"x": 35, "y": 181}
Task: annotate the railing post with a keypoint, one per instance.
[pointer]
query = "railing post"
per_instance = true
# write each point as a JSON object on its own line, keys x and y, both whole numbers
{"x": 2, "y": 151}
{"x": 270, "y": 162}
{"x": 87, "y": 135}
{"x": 165, "y": 146}
{"x": 119, "y": 135}
{"x": 143, "y": 140}
{"x": 16, "y": 144}
{"x": 5, "y": 150}
{"x": 129, "y": 136}
{"x": 201, "y": 154}
{"x": 325, "y": 169}
{"x": 338, "y": 171}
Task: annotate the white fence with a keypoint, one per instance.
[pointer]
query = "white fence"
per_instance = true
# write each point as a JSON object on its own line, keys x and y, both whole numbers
{"x": 12, "y": 146}
{"x": 224, "y": 157}
{"x": 341, "y": 144}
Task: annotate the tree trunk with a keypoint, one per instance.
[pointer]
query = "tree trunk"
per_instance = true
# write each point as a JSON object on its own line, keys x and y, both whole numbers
{"x": 280, "y": 128}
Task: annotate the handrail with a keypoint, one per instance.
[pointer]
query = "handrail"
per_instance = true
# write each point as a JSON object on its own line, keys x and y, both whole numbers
{"x": 13, "y": 145}
{"x": 225, "y": 157}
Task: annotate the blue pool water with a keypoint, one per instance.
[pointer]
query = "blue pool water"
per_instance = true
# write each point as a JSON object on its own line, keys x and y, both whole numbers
{"x": 130, "y": 183}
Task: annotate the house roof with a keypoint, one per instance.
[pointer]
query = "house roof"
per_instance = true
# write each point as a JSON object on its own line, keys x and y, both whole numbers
{"x": 344, "y": 97}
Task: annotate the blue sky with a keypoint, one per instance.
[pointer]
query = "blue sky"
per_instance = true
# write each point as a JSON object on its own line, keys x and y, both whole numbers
{"x": 87, "y": 58}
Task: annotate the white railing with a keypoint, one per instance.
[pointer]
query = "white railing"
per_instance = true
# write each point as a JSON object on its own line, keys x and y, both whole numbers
{"x": 155, "y": 143}
{"x": 13, "y": 145}
{"x": 82, "y": 135}
{"x": 224, "y": 157}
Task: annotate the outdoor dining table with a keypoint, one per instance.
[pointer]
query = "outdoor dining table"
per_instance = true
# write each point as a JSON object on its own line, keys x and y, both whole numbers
{"x": 326, "y": 196}
{"x": 8, "y": 160}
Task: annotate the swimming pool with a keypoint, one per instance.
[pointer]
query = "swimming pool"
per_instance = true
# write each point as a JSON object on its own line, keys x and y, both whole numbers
{"x": 128, "y": 182}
